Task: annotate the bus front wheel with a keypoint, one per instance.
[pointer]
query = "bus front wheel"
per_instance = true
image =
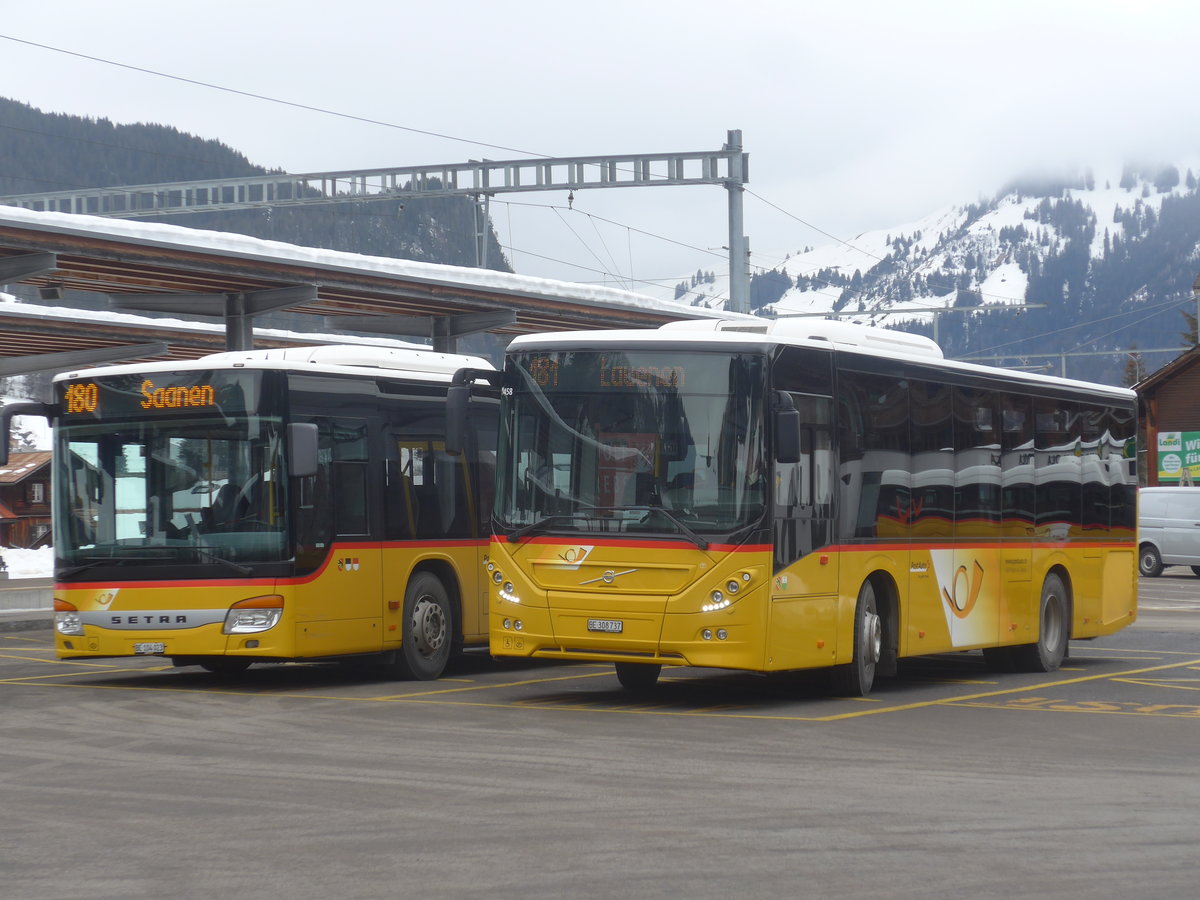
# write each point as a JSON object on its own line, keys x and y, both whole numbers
{"x": 856, "y": 678}
{"x": 1054, "y": 630}
{"x": 427, "y": 629}
{"x": 638, "y": 676}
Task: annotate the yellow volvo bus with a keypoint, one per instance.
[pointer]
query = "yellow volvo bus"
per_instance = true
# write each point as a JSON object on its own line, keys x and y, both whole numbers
{"x": 798, "y": 495}
{"x": 271, "y": 505}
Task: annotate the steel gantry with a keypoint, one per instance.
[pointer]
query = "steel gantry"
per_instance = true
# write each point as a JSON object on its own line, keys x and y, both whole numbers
{"x": 480, "y": 179}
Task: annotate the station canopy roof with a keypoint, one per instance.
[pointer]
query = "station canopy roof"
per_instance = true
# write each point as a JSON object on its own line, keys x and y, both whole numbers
{"x": 123, "y": 259}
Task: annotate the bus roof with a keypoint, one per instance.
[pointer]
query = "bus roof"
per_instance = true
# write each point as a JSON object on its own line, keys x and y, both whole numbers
{"x": 805, "y": 332}
{"x": 420, "y": 365}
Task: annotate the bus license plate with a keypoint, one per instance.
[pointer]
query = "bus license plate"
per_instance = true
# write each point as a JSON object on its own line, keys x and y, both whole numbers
{"x": 608, "y": 626}
{"x": 150, "y": 647}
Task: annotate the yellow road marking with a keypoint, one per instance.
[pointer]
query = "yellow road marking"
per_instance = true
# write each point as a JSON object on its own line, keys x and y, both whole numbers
{"x": 82, "y": 663}
{"x": 489, "y": 687}
{"x": 440, "y": 696}
{"x": 1164, "y": 682}
{"x": 1094, "y": 651}
{"x": 950, "y": 701}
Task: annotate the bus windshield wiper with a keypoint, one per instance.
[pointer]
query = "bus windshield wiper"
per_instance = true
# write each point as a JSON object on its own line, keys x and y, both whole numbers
{"x": 214, "y": 557}
{"x": 675, "y": 520}
{"x": 94, "y": 561}
{"x": 534, "y": 527}
{"x": 121, "y": 560}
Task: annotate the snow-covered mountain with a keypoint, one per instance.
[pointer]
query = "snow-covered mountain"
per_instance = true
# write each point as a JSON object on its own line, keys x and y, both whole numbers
{"x": 1099, "y": 261}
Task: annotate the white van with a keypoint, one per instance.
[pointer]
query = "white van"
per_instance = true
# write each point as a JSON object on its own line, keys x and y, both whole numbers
{"x": 1168, "y": 529}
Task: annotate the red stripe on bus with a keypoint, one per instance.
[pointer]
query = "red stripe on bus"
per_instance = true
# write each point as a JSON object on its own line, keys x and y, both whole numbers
{"x": 657, "y": 543}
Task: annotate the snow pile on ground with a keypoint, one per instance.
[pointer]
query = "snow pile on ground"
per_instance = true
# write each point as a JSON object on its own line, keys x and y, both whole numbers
{"x": 28, "y": 563}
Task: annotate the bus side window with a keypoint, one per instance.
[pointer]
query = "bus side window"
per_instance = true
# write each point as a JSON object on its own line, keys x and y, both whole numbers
{"x": 349, "y": 444}
{"x": 434, "y": 499}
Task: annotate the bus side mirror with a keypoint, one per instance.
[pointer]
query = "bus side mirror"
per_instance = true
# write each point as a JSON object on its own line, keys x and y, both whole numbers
{"x": 458, "y": 398}
{"x": 787, "y": 429}
{"x": 45, "y": 410}
{"x": 303, "y": 441}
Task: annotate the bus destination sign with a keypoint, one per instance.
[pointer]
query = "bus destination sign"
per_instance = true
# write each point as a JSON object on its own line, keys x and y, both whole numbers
{"x": 128, "y": 396}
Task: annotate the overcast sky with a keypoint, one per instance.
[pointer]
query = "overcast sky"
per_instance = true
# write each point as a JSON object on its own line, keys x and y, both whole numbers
{"x": 856, "y": 115}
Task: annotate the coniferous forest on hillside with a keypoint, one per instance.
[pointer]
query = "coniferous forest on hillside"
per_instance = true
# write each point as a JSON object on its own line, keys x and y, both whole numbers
{"x": 52, "y": 152}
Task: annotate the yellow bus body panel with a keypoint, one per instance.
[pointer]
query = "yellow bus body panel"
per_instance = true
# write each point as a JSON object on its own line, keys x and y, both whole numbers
{"x": 352, "y": 605}
{"x": 568, "y": 600}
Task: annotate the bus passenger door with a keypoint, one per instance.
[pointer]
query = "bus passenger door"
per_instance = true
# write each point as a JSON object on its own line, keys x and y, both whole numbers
{"x": 433, "y": 523}
{"x": 340, "y": 610}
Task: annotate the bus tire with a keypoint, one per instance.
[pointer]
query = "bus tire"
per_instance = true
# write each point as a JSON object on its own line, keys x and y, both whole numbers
{"x": 855, "y": 679}
{"x": 428, "y": 629}
{"x": 1149, "y": 562}
{"x": 638, "y": 676}
{"x": 1054, "y": 629}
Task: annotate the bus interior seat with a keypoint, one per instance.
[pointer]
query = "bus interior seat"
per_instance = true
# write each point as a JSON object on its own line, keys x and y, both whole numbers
{"x": 228, "y": 506}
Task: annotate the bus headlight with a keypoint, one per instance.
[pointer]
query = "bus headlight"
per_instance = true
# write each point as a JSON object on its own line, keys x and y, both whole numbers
{"x": 67, "y": 619}
{"x": 720, "y": 599}
{"x": 254, "y": 615}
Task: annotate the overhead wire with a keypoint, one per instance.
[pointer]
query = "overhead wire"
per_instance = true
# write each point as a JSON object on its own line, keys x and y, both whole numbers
{"x": 584, "y": 243}
{"x": 490, "y": 145}
{"x": 1140, "y": 312}
{"x": 605, "y": 272}
{"x": 256, "y": 96}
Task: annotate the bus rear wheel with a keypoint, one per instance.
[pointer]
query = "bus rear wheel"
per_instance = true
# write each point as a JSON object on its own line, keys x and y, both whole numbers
{"x": 428, "y": 629}
{"x": 638, "y": 676}
{"x": 856, "y": 678}
{"x": 1054, "y": 629}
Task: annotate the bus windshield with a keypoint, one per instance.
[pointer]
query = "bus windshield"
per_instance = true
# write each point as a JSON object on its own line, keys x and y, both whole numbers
{"x": 202, "y": 485}
{"x": 632, "y": 441}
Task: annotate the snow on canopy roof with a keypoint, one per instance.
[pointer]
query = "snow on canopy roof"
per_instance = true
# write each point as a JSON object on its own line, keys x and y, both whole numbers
{"x": 156, "y": 234}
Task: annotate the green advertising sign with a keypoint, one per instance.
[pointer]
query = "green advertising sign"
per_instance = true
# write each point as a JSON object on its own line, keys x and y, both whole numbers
{"x": 1179, "y": 457}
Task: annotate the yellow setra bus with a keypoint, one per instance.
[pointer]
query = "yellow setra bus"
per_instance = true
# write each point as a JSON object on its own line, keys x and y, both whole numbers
{"x": 803, "y": 494}
{"x": 269, "y": 506}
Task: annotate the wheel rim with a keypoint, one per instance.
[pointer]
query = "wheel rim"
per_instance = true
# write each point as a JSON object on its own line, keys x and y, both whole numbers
{"x": 1147, "y": 562}
{"x": 1052, "y": 622}
{"x": 428, "y": 626}
{"x": 872, "y": 638}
